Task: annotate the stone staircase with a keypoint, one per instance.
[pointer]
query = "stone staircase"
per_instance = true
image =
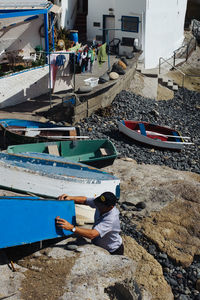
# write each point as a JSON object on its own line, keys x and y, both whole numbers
{"x": 162, "y": 78}
{"x": 169, "y": 83}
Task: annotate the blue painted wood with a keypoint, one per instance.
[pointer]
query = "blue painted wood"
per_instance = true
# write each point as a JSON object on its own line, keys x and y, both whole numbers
{"x": 54, "y": 165}
{"x": 176, "y": 135}
{"x": 25, "y": 220}
{"x": 142, "y": 129}
{"x": 27, "y": 123}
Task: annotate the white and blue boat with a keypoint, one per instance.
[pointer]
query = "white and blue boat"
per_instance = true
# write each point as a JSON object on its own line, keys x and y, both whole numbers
{"x": 18, "y": 131}
{"x": 25, "y": 220}
{"x": 50, "y": 176}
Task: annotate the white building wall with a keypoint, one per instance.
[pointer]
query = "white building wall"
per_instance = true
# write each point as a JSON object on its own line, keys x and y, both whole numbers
{"x": 164, "y": 29}
{"x": 68, "y": 15}
{"x": 16, "y": 34}
{"x": 133, "y": 9}
{"x": 96, "y": 10}
{"x": 17, "y": 88}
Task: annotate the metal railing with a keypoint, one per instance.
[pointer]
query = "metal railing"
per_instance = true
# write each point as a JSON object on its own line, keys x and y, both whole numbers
{"x": 183, "y": 74}
{"x": 172, "y": 65}
{"x": 185, "y": 50}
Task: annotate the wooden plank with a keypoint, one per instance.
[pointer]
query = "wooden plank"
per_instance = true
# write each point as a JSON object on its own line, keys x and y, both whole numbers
{"x": 105, "y": 151}
{"x": 43, "y": 129}
{"x": 53, "y": 149}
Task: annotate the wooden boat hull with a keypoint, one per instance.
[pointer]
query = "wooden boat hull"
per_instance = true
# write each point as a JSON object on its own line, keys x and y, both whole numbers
{"x": 20, "y": 137}
{"x": 174, "y": 143}
{"x": 98, "y": 153}
{"x": 51, "y": 176}
{"x": 25, "y": 220}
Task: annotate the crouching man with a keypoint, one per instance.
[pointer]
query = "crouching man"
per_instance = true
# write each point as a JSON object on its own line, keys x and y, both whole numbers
{"x": 105, "y": 232}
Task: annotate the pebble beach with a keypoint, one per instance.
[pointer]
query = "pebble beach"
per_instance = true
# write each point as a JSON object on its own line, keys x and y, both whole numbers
{"x": 181, "y": 113}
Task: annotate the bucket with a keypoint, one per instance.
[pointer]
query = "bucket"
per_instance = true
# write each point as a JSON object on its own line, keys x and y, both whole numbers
{"x": 73, "y": 36}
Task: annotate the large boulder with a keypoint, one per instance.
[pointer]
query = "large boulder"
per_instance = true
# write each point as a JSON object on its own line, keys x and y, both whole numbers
{"x": 149, "y": 274}
{"x": 171, "y": 214}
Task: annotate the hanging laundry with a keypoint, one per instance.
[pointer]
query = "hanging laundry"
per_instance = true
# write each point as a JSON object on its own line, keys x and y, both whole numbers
{"x": 53, "y": 69}
{"x": 63, "y": 80}
{"x": 102, "y": 55}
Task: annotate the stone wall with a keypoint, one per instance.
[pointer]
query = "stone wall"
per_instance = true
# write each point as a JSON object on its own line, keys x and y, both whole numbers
{"x": 104, "y": 97}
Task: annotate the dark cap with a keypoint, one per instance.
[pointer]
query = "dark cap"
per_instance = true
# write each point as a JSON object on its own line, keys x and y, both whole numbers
{"x": 107, "y": 198}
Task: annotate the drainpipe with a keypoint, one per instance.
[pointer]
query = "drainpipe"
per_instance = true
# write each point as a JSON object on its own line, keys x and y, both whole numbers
{"x": 46, "y": 32}
{"x": 52, "y": 32}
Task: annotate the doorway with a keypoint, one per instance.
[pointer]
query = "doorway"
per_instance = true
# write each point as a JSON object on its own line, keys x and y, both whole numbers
{"x": 108, "y": 23}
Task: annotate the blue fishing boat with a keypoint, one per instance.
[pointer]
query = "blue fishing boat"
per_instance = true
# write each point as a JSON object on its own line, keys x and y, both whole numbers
{"x": 25, "y": 220}
{"x": 50, "y": 176}
{"x": 18, "y": 131}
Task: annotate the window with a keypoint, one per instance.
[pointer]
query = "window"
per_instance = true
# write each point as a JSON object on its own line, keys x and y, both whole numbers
{"x": 96, "y": 24}
{"x": 127, "y": 41}
{"x": 99, "y": 37}
{"x": 130, "y": 24}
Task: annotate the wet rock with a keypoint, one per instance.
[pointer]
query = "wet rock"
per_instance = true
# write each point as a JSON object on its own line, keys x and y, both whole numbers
{"x": 198, "y": 285}
{"x": 140, "y": 205}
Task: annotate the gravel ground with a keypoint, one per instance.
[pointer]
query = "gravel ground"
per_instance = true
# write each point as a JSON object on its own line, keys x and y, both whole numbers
{"x": 181, "y": 113}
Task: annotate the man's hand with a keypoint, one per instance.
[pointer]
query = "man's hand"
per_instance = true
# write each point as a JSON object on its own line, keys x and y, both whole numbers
{"x": 64, "y": 197}
{"x": 76, "y": 199}
{"x": 63, "y": 224}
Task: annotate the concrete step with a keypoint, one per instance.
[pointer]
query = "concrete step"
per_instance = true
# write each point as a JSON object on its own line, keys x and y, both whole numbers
{"x": 175, "y": 87}
{"x": 167, "y": 82}
{"x": 150, "y": 72}
{"x": 170, "y": 84}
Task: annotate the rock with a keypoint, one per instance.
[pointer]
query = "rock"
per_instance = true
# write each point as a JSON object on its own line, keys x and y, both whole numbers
{"x": 140, "y": 205}
{"x": 124, "y": 60}
{"x": 104, "y": 78}
{"x": 183, "y": 297}
{"x": 122, "y": 64}
{"x": 115, "y": 274}
{"x": 147, "y": 267}
{"x": 118, "y": 69}
{"x": 130, "y": 55}
{"x": 71, "y": 247}
{"x": 198, "y": 285}
{"x": 176, "y": 240}
{"x": 10, "y": 281}
{"x": 84, "y": 89}
{"x": 113, "y": 75}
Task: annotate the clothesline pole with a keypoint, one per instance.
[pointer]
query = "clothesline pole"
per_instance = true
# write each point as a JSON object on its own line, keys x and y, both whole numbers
{"x": 50, "y": 96}
{"x": 74, "y": 69}
{"x": 107, "y": 38}
{"x": 108, "y": 42}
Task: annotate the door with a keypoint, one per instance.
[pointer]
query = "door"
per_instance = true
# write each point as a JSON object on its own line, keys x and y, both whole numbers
{"x": 108, "y": 23}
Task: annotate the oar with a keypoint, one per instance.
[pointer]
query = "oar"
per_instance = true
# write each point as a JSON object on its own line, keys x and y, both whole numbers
{"x": 165, "y": 135}
{"x": 186, "y": 143}
{"x": 41, "y": 129}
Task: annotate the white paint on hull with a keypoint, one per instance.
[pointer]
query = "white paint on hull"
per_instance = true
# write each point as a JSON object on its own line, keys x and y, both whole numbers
{"x": 21, "y": 179}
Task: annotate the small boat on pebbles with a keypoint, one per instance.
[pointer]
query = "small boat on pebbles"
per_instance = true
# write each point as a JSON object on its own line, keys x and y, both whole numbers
{"x": 97, "y": 153}
{"x": 153, "y": 135}
{"x": 16, "y": 131}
